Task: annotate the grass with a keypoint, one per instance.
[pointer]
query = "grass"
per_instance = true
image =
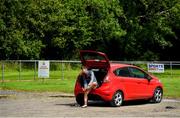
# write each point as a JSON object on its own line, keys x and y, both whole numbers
{"x": 40, "y": 85}
{"x": 171, "y": 82}
{"x": 171, "y": 87}
{"x": 57, "y": 81}
{"x": 65, "y": 82}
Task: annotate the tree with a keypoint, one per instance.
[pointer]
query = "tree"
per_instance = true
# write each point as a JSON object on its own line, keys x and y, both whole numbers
{"x": 148, "y": 28}
{"x": 58, "y": 29}
{"x": 17, "y": 39}
{"x": 105, "y": 26}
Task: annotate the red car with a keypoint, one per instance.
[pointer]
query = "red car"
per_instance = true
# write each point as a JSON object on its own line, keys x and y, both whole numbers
{"x": 117, "y": 82}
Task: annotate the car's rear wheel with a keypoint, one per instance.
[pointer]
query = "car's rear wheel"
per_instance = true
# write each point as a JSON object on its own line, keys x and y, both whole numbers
{"x": 157, "y": 97}
{"x": 80, "y": 100}
{"x": 117, "y": 99}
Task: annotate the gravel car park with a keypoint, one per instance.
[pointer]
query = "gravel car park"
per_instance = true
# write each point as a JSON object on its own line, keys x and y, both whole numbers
{"x": 47, "y": 104}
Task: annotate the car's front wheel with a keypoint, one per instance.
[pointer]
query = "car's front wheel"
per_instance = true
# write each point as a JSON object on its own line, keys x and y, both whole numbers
{"x": 157, "y": 97}
{"x": 117, "y": 99}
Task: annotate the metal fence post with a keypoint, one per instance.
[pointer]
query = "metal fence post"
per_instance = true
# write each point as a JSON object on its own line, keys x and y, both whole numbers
{"x": 171, "y": 68}
{"x": 3, "y": 72}
{"x": 19, "y": 69}
{"x": 34, "y": 69}
{"x": 62, "y": 70}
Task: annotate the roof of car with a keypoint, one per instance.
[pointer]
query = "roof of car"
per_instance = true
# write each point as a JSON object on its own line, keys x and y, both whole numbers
{"x": 118, "y": 65}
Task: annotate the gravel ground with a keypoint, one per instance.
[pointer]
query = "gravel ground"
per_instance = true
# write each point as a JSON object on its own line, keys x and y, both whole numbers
{"x": 47, "y": 104}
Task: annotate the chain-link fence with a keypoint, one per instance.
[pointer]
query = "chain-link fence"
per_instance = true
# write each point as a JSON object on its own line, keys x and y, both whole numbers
{"x": 28, "y": 69}
{"x": 61, "y": 69}
{"x": 171, "y": 68}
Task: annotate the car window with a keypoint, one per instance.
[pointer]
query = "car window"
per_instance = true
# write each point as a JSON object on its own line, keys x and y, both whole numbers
{"x": 92, "y": 56}
{"x": 124, "y": 72}
{"x": 137, "y": 73}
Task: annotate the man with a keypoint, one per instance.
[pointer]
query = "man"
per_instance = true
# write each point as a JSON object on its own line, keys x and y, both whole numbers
{"x": 90, "y": 83}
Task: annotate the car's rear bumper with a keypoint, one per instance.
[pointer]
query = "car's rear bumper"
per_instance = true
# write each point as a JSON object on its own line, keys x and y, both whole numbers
{"x": 104, "y": 95}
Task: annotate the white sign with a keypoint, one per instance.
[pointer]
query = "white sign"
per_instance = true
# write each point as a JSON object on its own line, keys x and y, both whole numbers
{"x": 43, "y": 69}
{"x": 155, "y": 68}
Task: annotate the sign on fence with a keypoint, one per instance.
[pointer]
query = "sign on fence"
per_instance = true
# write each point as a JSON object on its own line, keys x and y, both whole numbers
{"x": 43, "y": 69}
{"x": 155, "y": 68}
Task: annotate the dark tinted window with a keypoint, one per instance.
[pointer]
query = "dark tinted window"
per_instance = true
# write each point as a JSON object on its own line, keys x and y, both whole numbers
{"x": 124, "y": 72}
{"x": 137, "y": 73}
{"x": 92, "y": 56}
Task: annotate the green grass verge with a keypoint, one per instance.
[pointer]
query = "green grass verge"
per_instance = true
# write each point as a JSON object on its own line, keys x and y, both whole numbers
{"x": 65, "y": 85}
{"x": 171, "y": 82}
{"x": 58, "y": 81}
{"x": 171, "y": 87}
{"x": 65, "y": 82}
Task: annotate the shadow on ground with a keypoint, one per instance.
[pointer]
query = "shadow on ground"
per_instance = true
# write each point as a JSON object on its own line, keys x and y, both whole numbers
{"x": 106, "y": 104}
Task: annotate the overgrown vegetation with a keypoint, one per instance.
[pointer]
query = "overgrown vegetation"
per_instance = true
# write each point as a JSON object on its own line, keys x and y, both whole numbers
{"x": 57, "y": 29}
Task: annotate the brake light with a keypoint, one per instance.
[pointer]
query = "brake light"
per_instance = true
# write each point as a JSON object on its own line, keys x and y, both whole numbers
{"x": 106, "y": 80}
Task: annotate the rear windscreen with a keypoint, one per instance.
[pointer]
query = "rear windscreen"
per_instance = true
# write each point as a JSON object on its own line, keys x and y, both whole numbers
{"x": 92, "y": 56}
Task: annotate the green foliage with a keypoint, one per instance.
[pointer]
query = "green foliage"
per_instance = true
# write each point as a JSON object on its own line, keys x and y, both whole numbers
{"x": 58, "y": 29}
{"x": 17, "y": 39}
{"x": 147, "y": 22}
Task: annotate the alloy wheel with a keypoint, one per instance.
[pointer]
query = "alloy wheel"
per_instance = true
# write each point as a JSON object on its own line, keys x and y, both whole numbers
{"x": 157, "y": 95}
{"x": 117, "y": 99}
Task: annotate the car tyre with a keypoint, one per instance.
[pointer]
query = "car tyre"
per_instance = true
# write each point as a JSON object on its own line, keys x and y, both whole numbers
{"x": 117, "y": 99}
{"x": 157, "y": 97}
{"x": 80, "y": 100}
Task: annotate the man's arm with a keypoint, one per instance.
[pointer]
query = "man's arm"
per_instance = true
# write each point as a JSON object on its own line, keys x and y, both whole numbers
{"x": 92, "y": 77}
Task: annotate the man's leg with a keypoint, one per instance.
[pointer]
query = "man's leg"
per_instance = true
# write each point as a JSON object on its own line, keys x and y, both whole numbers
{"x": 86, "y": 96}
